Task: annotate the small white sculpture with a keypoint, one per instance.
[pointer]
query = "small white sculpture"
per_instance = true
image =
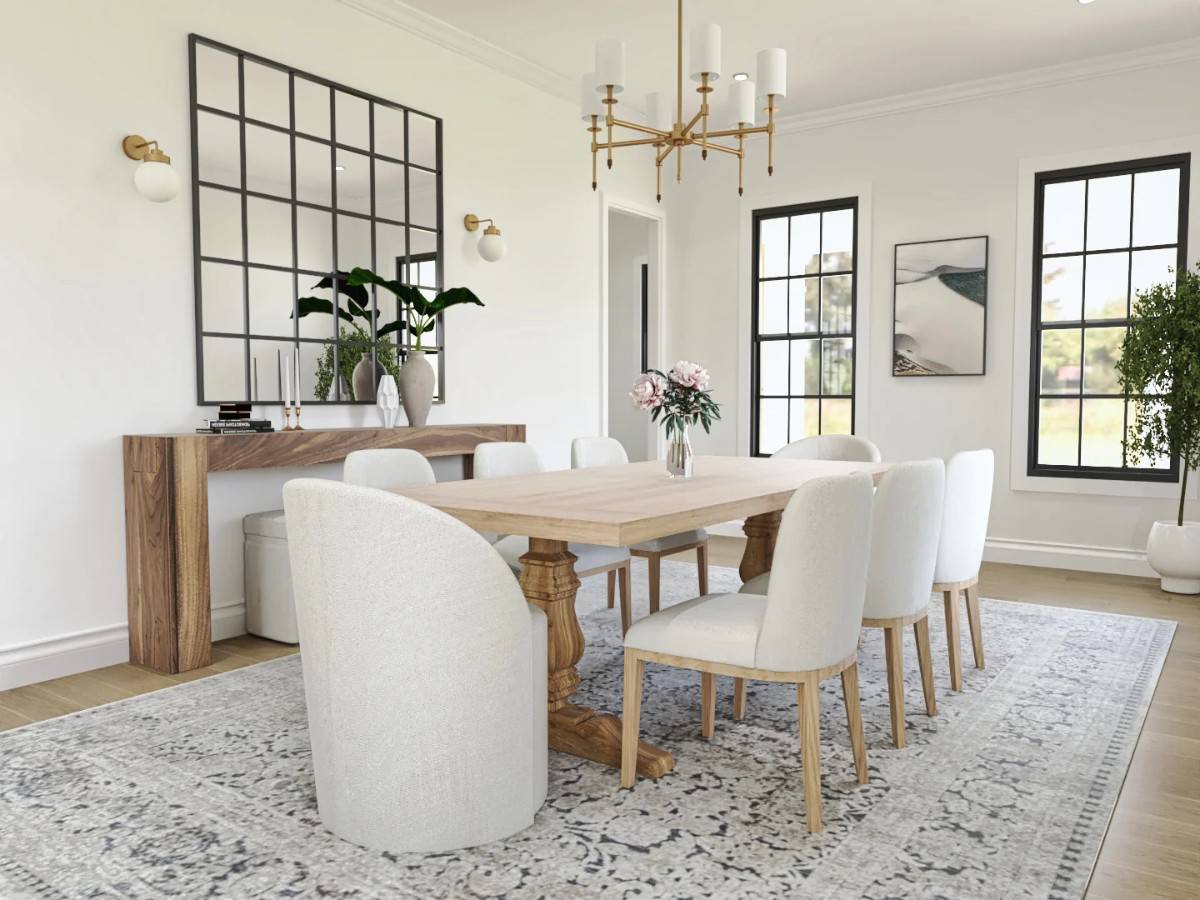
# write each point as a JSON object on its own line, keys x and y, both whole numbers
{"x": 387, "y": 398}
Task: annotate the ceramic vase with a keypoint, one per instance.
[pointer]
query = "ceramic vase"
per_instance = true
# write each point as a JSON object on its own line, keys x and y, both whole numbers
{"x": 679, "y": 454}
{"x": 365, "y": 376}
{"x": 387, "y": 398}
{"x": 1173, "y": 551}
{"x": 417, "y": 380}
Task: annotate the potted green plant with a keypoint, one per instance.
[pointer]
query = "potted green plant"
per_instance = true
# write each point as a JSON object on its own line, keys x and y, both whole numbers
{"x": 1159, "y": 369}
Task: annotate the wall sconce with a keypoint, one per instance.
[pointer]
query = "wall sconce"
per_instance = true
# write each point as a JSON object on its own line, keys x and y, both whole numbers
{"x": 491, "y": 245}
{"x": 154, "y": 178}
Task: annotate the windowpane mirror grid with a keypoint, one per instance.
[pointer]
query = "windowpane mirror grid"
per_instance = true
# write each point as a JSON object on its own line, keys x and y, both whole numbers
{"x": 295, "y": 179}
{"x": 804, "y": 286}
{"x": 1101, "y": 234}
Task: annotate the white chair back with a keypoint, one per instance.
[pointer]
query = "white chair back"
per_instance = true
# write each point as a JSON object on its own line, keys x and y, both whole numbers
{"x": 587, "y": 452}
{"x": 380, "y": 646}
{"x": 906, "y": 520}
{"x": 965, "y": 515}
{"x": 819, "y": 577}
{"x": 503, "y": 458}
{"x": 387, "y": 469}
{"x": 845, "y": 447}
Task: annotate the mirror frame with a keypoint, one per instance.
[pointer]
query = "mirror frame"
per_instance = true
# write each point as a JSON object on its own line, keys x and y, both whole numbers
{"x": 301, "y": 277}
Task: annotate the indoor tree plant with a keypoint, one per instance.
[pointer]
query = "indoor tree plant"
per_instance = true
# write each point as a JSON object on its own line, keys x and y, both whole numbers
{"x": 1159, "y": 369}
{"x": 679, "y": 399}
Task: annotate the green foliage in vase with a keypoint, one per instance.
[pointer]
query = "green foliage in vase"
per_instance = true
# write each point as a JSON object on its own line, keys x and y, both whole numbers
{"x": 1159, "y": 370}
{"x": 420, "y": 311}
{"x": 354, "y": 345}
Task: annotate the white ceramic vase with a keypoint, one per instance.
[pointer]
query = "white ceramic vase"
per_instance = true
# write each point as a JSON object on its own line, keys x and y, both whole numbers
{"x": 1173, "y": 551}
{"x": 387, "y": 398}
{"x": 417, "y": 380}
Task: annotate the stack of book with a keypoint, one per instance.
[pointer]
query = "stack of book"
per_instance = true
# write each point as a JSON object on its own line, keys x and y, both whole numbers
{"x": 234, "y": 418}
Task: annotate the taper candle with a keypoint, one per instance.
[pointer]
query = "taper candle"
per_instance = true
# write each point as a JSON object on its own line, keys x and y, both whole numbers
{"x": 297, "y": 353}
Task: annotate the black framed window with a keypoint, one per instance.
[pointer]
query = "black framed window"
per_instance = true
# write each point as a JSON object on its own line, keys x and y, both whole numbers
{"x": 803, "y": 317}
{"x": 1101, "y": 234}
{"x": 297, "y": 179}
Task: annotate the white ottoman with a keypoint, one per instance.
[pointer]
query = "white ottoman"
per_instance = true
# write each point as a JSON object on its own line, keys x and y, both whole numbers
{"x": 270, "y": 607}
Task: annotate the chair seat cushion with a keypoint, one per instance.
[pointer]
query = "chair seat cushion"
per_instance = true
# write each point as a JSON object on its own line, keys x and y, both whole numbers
{"x": 671, "y": 541}
{"x": 721, "y": 628}
{"x": 589, "y": 556}
{"x": 756, "y": 585}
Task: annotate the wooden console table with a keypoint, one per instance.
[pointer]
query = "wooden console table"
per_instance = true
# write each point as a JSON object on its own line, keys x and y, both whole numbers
{"x": 166, "y": 516}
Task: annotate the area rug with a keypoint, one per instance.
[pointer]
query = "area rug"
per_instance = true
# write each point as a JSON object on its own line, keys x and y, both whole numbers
{"x": 205, "y": 790}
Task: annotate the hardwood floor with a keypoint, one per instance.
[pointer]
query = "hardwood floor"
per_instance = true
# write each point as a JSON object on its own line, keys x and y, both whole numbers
{"x": 1152, "y": 849}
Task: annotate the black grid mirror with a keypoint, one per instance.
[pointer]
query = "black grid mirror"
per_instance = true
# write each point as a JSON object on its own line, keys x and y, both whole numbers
{"x": 296, "y": 180}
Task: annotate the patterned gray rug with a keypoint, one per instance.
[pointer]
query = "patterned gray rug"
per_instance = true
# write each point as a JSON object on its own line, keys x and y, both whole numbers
{"x": 205, "y": 790}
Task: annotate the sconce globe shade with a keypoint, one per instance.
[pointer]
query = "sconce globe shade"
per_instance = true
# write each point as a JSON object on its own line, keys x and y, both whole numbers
{"x": 492, "y": 247}
{"x": 156, "y": 181}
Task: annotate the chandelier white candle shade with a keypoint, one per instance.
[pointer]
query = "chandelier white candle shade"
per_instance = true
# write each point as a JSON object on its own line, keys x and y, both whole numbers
{"x": 741, "y": 103}
{"x": 658, "y": 111}
{"x": 706, "y": 52}
{"x": 610, "y": 65}
{"x": 590, "y": 102}
{"x": 772, "y": 73}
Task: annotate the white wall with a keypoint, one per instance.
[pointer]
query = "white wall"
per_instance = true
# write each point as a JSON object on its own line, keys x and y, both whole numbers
{"x": 629, "y": 247}
{"x": 98, "y": 282}
{"x": 935, "y": 173}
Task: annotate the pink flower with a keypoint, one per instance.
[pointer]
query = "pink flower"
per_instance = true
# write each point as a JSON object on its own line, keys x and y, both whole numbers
{"x": 690, "y": 374}
{"x": 648, "y": 391}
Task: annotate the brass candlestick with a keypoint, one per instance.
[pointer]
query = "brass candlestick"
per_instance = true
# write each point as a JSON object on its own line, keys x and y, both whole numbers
{"x": 298, "y": 427}
{"x": 287, "y": 418}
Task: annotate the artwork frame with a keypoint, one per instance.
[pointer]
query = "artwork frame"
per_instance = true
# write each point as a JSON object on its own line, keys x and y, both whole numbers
{"x": 939, "y": 326}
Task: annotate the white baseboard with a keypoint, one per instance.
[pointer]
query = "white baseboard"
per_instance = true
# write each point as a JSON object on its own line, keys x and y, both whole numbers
{"x": 228, "y": 621}
{"x": 1080, "y": 557}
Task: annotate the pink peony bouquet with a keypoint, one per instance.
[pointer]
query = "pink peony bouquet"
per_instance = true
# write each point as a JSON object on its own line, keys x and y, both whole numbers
{"x": 679, "y": 398}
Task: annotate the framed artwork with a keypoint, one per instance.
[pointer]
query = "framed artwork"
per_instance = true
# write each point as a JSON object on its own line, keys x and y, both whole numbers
{"x": 939, "y": 320}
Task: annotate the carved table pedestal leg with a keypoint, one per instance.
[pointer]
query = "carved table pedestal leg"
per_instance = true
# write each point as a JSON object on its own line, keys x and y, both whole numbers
{"x": 760, "y": 544}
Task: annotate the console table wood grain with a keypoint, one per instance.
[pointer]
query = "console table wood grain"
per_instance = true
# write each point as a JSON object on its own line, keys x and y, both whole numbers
{"x": 166, "y": 516}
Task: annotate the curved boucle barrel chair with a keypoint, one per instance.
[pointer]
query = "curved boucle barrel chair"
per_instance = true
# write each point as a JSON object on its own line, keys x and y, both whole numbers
{"x": 424, "y": 672}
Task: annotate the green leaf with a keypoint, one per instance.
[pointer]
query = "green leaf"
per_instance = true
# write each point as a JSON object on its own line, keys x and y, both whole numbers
{"x": 407, "y": 294}
{"x": 454, "y": 296}
{"x": 355, "y": 293}
{"x": 306, "y": 305}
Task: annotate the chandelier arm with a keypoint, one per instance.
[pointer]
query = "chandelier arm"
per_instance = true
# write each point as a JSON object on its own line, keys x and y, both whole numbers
{"x": 664, "y": 153}
{"x": 735, "y": 132}
{"x": 687, "y": 130}
{"x": 714, "y": 146}
{"x": 639, "y": 142}
{"x": 634, "y": 126}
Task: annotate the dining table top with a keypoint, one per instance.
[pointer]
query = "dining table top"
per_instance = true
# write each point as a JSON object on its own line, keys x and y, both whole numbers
{"x": 621, "y": 505}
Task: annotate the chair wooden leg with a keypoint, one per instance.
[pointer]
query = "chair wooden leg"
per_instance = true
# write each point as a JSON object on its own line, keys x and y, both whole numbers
{"x": 854, "y": 720}
{"x": 626, "y": 600}
{"x": 702, "y": 567}
{"x": 739, "y": 699}
{"x": 654, "y": 563}
{"x": 631, "y": 717}
{"x": 808, "y": 697}
{"x": 921, "y": 632}
{"x": 952, "y": 645}
{"x": 974, "y": 624}
{"x": 612, "y": 587}
{"x": 893, "y": 645}
{"x": 708, "y": 703}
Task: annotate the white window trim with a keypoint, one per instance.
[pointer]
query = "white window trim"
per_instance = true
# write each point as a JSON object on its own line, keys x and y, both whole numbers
{"x": 1023, "y": 311}
{"x": 862, "y": 272}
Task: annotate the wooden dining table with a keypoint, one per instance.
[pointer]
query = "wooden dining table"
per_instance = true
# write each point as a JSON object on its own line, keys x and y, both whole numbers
{"x": 618, "y": 506}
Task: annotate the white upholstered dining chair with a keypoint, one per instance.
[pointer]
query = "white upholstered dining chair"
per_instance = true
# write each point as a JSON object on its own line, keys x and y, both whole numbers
{"x": 804, "y": 630}
{"x": 606, "y": 451}
{"x": 905, "y": 524}
{"x": 960, "y": 549}
{"x": 387, "y": 469}
{"x": 425, "y": 684}
{"x": 506, "y": 458}
{"x": 846, "y": 447}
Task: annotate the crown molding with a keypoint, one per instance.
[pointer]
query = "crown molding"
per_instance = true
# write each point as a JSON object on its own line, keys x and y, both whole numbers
{"x": 437, "y": 31}
{"x": 1016, "y": 82}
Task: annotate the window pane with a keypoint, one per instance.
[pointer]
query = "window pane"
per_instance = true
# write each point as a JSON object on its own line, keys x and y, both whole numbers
{"x": 312, "y": 107}
{"x": 835, "y": 303}
{"x": 806, "y": 367}
{"x": 772, "y": 425}
{"x": 313, "y": 172}
{"x": 1103, "y": 423}
{"x": 1062, "y": 217}
{"x": 1151, "y": 267}
{"x": 1156, "y": 207}
{"x": 267, "y": 94}
{"x": 804, "y": 301}
{"x": 1058, "y": 432}
{"x": 772, "y": 307}
{"x": 1062, "y": 288}
{"x": 837, "y": 241}
{"x": 353, "y": 126}
{"x": 225, "y": 369}
{"x": 835, "y": 416}
{"x": 1108, "y": 212}
{"x": 772, "y": 247}
{"x": 806, "y": 244}
{"x": 271, "y": 302}
{"x": 1060, "y": 361}
{"x": 1106, "y": 290}
{"x": 837, "y": 361}
{"x": 806, "y": 419}
{"x": 221, "y": 302}
{"x": 773, "y": 367}
{"x": 1102, "y": 348}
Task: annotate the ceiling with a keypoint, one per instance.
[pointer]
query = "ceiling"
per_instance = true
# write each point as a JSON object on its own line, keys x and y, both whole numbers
{"x": 839, "y": 51}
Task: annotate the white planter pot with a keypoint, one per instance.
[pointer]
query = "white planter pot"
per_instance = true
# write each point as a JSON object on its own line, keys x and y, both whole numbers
{"x": 1173, "y": 551}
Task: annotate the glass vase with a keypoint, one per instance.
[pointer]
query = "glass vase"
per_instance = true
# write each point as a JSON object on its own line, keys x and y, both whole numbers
{"x": 679, "y": 454}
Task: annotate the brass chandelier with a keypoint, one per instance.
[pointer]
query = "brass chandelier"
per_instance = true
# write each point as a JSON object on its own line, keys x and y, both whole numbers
{"x": 598, "y": 98}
